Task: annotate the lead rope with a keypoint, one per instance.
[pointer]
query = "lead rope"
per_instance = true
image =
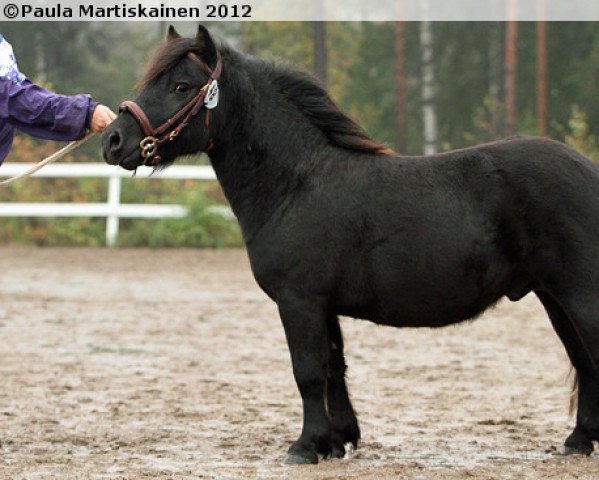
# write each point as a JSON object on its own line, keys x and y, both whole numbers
{"x": 52, "y": 158}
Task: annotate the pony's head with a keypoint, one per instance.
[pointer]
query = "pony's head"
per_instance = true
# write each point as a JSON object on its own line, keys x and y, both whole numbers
{"x": 172, "y": 115}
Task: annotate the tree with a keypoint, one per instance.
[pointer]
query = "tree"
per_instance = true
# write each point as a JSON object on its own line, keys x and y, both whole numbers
{"x": 320, "y": 51}
{"x": 541, "y": 78}
{"x": 429, "y": 112}
{"x": 511, "y": 43}
{"x": 401, "y": 85}
{"x": 495, "y": 67}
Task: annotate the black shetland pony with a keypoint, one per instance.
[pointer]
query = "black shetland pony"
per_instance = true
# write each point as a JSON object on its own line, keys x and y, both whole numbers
{"x": 336, "y": 224}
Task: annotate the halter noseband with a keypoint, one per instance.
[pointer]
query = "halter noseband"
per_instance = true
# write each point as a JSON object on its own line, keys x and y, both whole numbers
{"x": 154, "y": 137}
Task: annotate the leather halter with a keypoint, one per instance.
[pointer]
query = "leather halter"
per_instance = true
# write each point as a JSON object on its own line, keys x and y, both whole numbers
{"x": 154, "y": 137}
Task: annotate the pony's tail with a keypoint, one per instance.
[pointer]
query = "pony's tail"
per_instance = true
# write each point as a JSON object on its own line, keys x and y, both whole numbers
{"x": 574, "y": 392}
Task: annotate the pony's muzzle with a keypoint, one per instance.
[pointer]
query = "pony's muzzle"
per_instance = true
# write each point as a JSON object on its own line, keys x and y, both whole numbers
{"x": 112, "y": 143}
{"x": 117, "y": 151}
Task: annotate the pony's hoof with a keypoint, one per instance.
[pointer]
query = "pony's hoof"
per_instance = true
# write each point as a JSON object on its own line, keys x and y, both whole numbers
{"x": 297, "y": 459}
{"x": 578, "y": 443}
{"x": 338, "y": 451}
{"x": 578, "y": 450}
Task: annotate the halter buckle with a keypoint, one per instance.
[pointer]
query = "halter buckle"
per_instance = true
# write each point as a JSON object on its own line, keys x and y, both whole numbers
{"x": 149, "y": 147}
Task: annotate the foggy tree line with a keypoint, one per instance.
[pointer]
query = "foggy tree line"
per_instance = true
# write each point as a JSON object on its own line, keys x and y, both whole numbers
{"x": 418, "y": 86}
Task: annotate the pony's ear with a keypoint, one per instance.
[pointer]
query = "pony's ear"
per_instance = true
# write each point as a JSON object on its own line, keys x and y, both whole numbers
{"x": 205, "y": 45}
{"x": 172, "y": 33}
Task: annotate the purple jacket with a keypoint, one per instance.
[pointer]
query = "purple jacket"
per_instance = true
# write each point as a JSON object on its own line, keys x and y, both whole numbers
{"x": 35, "y": 110}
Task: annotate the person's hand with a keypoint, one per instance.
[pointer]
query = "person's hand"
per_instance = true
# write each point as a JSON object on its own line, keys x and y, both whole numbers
{"x": 101, "y": 118}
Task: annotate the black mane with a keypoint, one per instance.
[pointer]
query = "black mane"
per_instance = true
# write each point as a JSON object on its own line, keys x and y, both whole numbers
{"x": 306, "y": 93}
{"x": 166, "y": 56}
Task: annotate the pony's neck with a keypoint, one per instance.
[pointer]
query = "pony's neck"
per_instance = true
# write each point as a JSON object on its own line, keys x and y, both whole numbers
{"x": 267, "y": 152}
{"x": 258, "y": 173}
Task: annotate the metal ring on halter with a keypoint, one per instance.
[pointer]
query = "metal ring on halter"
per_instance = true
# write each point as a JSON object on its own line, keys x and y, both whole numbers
{"x": 149, "y": 147}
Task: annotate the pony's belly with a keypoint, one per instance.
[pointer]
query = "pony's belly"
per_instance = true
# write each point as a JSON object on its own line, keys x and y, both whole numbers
{"x": 415, "y": 316}
{"x": 411, "y": 303}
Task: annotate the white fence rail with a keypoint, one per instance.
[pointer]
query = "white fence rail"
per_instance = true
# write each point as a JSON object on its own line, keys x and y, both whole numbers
{"x": 113, "y": 209}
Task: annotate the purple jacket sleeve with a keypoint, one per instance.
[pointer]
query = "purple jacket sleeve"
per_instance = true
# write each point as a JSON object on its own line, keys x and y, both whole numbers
{"x": 44, "y": 114}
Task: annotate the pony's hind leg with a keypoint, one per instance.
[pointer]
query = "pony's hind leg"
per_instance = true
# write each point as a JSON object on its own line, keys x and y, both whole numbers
{"x": 587, "y": 419}
{"x": 344, "y": 423}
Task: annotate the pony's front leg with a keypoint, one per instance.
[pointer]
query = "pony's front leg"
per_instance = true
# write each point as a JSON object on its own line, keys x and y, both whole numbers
{"x": 304, "y": 320}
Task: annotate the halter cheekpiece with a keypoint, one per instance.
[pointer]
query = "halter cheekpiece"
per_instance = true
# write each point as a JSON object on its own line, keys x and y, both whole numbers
{"x": 207, "y": 97}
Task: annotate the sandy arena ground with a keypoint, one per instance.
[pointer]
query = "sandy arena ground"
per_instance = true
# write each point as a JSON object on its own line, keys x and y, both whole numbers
{"x": 160, "y": 364}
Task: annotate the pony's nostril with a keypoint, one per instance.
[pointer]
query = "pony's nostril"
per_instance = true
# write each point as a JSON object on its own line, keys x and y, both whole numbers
{"x": 114, "y": 140}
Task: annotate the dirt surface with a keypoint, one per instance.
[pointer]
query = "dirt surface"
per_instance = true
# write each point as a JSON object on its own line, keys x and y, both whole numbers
{"x": 173, "y": 364}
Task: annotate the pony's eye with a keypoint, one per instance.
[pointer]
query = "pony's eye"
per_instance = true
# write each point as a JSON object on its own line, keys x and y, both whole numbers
{"x": 181, "y": 88}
